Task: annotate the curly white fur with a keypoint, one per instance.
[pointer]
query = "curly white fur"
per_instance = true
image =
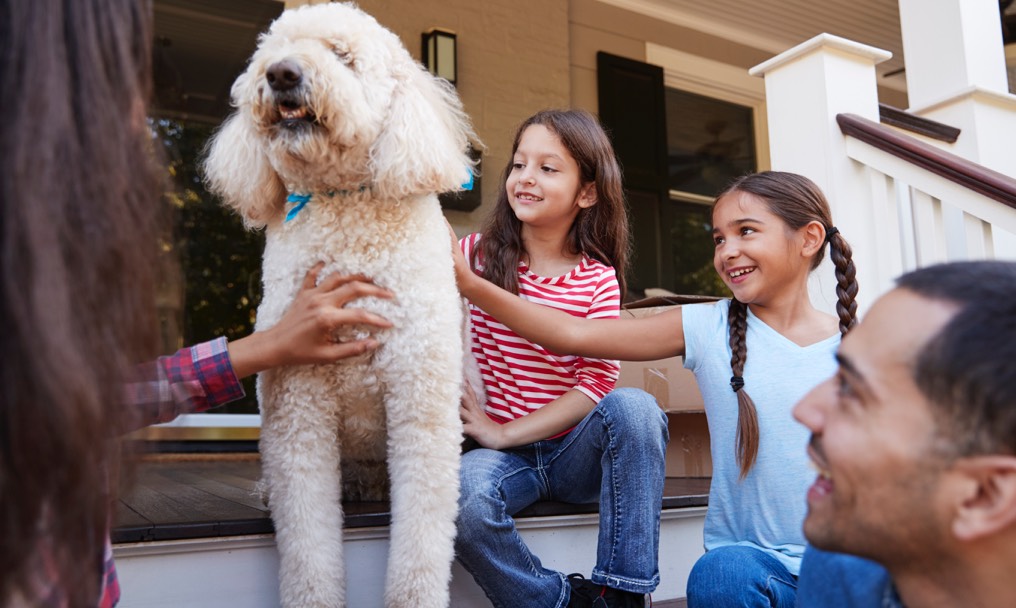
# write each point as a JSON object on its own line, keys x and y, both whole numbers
{"x": 332, "y": 105}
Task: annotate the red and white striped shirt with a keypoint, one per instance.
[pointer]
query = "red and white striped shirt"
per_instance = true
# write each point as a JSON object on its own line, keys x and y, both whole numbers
{"x": 519, "y": 376}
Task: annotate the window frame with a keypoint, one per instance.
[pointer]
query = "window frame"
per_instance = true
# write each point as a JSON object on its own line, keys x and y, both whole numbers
{"x": 717, "y": 80}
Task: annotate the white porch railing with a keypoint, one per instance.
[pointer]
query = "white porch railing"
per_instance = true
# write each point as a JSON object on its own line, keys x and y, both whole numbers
{"x": 903, "y": 200}
{"x": 929, "y": 205}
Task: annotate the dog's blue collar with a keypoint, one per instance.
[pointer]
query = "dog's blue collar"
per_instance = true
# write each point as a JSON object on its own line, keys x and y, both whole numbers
{"x": 301, "y": 199}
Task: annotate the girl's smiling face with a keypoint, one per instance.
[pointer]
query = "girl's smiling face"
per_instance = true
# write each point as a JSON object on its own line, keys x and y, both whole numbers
{"x": 756, "y": 254}
{"x": 544, "y": 185}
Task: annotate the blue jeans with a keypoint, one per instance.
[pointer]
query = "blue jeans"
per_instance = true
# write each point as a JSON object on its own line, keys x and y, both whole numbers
{"x": 736, "y": 576}
{"x": 835, "y": 580}
{"x": 615, "y": 457}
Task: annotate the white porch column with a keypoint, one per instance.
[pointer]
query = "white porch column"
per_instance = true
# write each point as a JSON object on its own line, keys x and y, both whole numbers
{"x": 806, "y": 87}
{"x": 950, "y": 46}
{"x": 955, "y": 67}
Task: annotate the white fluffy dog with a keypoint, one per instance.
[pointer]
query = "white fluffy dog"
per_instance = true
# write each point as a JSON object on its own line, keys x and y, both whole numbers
{"x": 338, "y": 146}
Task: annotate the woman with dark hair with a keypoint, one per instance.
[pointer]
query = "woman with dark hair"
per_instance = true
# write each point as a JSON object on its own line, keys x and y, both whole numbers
{"x": 79, "y": 196}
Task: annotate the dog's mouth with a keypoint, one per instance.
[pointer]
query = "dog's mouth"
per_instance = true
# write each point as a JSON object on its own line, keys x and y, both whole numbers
{"x": 291, "y": 114}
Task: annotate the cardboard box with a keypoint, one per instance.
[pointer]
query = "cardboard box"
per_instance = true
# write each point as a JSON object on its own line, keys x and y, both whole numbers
{"x": 688, "y": 451}
{"x": 677, "y": 394}
{"x": 667, "y": 380}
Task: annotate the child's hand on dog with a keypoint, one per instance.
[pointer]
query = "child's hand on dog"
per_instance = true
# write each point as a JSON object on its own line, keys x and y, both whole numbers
{"x": 476, "y": 424}
{"x": 463, "y": 273}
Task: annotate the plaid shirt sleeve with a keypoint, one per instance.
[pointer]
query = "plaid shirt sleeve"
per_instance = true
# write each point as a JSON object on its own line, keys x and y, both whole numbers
{"x": 194, "y": 379}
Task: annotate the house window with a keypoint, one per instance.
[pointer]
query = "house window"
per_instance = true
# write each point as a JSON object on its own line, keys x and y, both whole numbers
{"x": 716, "y": 131}
{"x": 213, "y": 284}
{"x": 709, "y": 143}
{"x": 211, "y": 281}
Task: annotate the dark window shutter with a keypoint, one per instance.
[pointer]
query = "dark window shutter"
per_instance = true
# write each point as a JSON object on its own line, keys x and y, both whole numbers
{"x": 632, "y": 110}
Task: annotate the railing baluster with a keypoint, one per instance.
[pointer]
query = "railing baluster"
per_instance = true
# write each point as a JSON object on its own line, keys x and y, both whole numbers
{"x": 886, "y": 224}
{"x": 929, "y": 229}
{"x": 978, "y": 238}
{"x": 908, "y": 241}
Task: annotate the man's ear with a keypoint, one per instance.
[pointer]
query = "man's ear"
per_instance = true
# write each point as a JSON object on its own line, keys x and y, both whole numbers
{"x": 987, "y": 502}
{"x": 814, "y": 238}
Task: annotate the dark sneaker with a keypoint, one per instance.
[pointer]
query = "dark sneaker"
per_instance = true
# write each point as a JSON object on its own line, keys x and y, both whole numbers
{"x": 587, "y": 594}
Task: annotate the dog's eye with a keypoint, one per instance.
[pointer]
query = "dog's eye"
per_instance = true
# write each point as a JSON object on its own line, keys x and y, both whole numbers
{"x": 343, "y": 55}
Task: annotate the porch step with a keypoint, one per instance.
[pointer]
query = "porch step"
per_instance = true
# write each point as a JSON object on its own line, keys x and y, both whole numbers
{"x": 226, "y": 572}
{"x": 194, "y": 534}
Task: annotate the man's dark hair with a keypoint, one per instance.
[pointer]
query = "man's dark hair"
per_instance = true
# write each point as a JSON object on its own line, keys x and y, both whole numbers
{"x": 968, "y": 370}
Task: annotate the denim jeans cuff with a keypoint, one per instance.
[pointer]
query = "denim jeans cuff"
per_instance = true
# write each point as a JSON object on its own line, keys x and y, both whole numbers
{"x": 633, "y": 585}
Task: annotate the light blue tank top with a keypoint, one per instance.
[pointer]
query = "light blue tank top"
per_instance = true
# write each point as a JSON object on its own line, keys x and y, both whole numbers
{"x": 767, "y": 508}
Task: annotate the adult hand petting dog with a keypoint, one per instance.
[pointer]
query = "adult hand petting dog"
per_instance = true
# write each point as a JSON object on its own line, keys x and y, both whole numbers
{"x": 306, "y": 333}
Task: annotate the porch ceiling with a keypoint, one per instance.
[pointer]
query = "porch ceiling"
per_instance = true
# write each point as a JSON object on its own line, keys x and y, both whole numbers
{"x": 777, "y": 25}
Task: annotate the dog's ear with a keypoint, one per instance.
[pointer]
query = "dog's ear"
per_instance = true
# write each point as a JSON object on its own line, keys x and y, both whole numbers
{"x": 237, "y": 170}
{"x": 423, "y": 146}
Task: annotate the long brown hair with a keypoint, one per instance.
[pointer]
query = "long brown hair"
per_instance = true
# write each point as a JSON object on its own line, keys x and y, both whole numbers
{"x": 600, "y": 231}
{"x": 78, "y": 192}
{"x": 797, "y": 201}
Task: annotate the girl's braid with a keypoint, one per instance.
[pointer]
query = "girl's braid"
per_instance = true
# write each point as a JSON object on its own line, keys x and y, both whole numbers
{"x": 747, "y": 441}
{"x": 846, "y": 281}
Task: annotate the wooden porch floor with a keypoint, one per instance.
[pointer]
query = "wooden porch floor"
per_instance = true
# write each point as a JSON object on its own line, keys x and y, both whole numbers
{"x": 173, "y": 498}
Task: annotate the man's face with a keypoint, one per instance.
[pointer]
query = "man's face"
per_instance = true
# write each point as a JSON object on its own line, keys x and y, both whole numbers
{"x": 873, "y": 438}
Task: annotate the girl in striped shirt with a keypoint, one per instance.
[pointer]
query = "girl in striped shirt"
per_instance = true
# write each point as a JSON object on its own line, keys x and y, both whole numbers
{"x": 551, "y": 429}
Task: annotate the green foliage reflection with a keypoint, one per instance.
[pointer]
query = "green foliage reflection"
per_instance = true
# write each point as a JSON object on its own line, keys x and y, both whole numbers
{"x": 691, "y": 243}
{"x": 216, "y": 286}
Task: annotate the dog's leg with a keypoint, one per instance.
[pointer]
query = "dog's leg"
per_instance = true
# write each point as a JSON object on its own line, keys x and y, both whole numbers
{"x": 300, "y": 455}
{"x": 424, "y": 433}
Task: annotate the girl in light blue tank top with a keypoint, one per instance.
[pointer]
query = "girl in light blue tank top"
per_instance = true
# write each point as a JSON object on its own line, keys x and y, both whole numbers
{"x": 770, "y": 231}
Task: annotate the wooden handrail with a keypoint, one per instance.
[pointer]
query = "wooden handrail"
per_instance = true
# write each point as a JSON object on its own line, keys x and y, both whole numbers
{"x": 968, "y": 174}
{"x": 896, "y": 117}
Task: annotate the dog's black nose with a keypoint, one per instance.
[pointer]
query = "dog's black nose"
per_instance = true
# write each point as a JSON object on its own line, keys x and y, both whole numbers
{"x": 283, "y": 75}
